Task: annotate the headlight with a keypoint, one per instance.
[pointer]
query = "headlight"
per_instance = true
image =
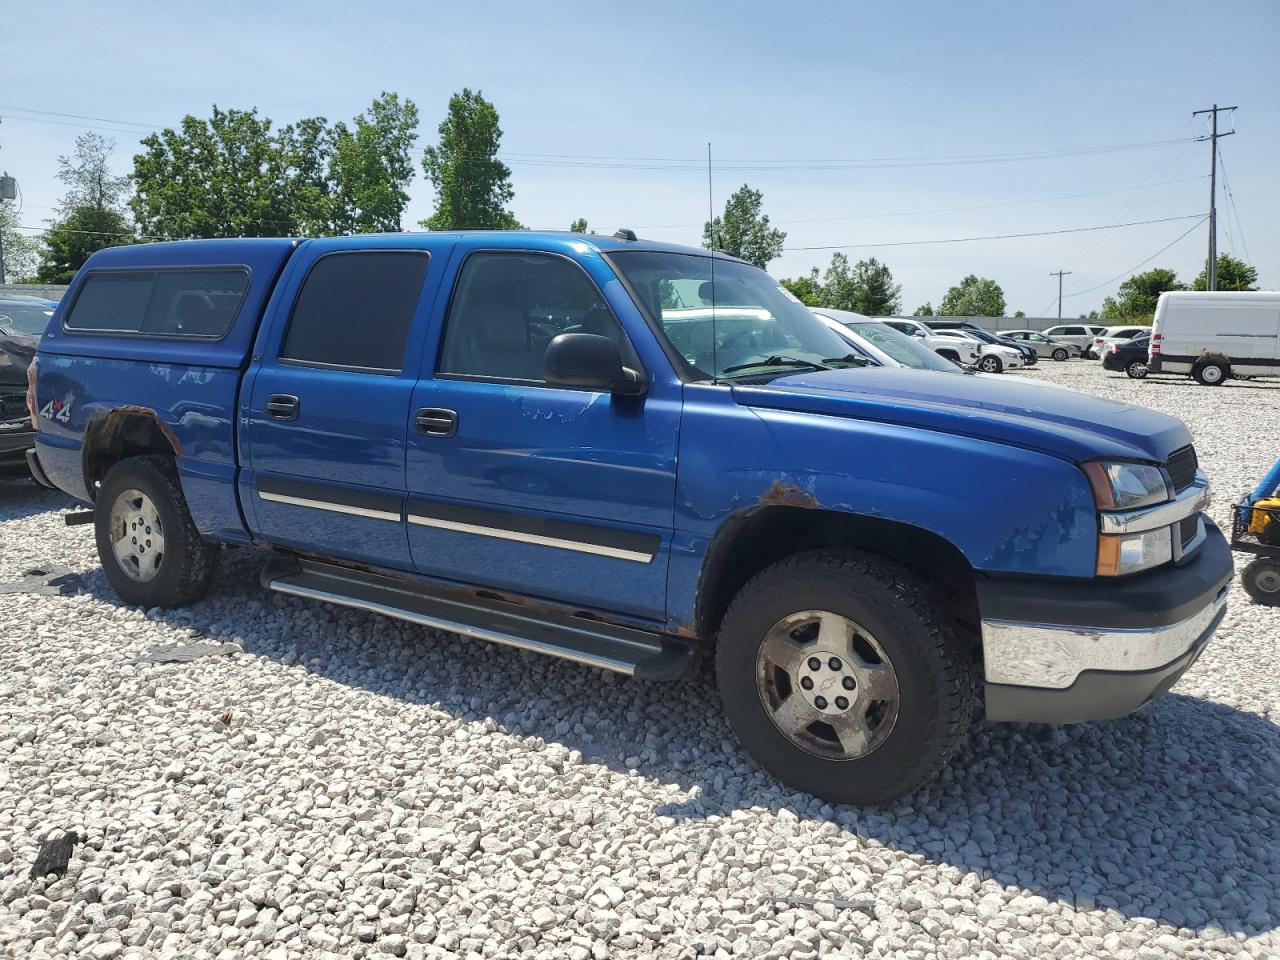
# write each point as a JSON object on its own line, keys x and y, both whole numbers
{"x": 1126, "y": 486}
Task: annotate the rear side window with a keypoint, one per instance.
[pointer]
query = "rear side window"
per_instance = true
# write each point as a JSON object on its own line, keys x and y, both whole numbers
{"x": 355, "y": 310}
{"x": 196, "y": 303}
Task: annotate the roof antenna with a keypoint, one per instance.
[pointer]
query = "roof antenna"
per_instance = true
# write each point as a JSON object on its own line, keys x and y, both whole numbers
{"x": 711, "y": 213}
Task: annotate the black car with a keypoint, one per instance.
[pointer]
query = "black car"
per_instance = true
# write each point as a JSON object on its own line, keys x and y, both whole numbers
{"x": 1129, "y": 356}
{"x": 1029, "y": 355}
{"x": 22, "y": 321}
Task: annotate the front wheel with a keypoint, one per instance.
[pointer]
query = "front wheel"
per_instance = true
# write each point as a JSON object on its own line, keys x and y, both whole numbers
{"x": 1261, "y": 579}
{"x": 840, "y": 677}
{"x": 149, "y": 546}
{"x": 990, "y": 364}
{"x": 1137, "y": 369}
{"x": 1060, "y": 354}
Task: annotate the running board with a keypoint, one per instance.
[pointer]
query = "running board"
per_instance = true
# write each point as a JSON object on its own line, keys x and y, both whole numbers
{"x": 583, "y": 639}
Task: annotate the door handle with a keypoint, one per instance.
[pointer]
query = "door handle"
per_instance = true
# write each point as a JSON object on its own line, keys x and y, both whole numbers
{"x": 282, "y": 406}
{"x": 436, "y": 421}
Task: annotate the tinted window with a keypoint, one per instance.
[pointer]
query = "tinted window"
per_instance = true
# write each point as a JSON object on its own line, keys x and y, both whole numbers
{"x": 507, "y": 307}
{"x": 1075, "y": 331}
{"x": 162, "y": 303}
{"x": 24, "y": 319}
{"x": 355, "y": 310}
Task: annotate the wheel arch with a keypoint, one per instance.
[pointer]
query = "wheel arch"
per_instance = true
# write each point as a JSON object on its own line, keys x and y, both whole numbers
{"x": 121, "y": 433}
{"x": 753, "y": 539}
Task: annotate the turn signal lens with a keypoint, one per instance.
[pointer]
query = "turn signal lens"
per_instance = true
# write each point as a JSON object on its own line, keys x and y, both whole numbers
{"x": 1133, "y": 552}
{"x": 31, "y": 391}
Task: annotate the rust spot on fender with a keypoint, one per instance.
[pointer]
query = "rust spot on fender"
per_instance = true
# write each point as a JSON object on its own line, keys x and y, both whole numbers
{"x": 113, "y": 421}
{"x": 782, "y": 494}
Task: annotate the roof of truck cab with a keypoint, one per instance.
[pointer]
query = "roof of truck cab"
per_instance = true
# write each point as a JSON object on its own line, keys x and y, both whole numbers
{"x": 235, "y": 250}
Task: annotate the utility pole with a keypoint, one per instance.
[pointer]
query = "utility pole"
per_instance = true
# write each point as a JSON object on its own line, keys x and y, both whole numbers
{"x": 1211, "y": 269}
{"x": 1060, "y": 274}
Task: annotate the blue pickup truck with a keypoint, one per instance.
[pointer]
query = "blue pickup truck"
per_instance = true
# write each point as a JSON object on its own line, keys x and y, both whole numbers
{"x": 629, "y": 454}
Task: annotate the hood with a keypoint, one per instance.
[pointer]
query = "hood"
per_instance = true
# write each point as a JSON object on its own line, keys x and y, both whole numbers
{"x": 1063, "y": 423}
{"x": 15, "y": 354}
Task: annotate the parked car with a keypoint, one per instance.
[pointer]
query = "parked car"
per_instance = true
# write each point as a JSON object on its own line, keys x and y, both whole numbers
{"x": 1116, "y": 335}
{"x": 1029, "y": 356}
{"x": 22, "y": 321}
{"x": 881, "y": 344}
{"x": 963, "y": 352}
{"x": 1216, "y": 336}
{"x": 700, "y": 471}
{"x": 1079, "y": 334}
{"x": 1044, "y": 346}
{"x": 992, "y": 358}
{"x": 1129, "y": 356}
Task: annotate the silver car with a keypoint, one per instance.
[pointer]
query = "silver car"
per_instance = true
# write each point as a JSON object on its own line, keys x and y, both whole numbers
{"x": 1080, "y": 334}
{"x": 1044, "y": 346}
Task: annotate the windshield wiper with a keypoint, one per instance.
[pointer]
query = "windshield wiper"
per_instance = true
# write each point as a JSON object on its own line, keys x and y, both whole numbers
{"x": 852, "y": 358}
{"x": 776, "y": 361}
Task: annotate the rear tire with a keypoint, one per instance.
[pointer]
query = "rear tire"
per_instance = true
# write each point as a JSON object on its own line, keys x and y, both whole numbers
{"x": 1261, "y": 580}
{"x": 1060, "y": 354}
{"x": 1137, "y": 369}
{"x": 140, "y": 507}
{"x": 1211, "y": 373}
{"x": 901, "y": 690}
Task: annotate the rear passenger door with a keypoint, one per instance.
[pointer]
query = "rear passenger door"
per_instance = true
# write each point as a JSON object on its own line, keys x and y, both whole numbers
{"x": 326, "y": 408}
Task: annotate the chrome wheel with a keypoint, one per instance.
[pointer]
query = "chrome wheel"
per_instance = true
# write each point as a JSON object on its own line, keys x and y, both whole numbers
{"x": 827, "y": 685}
{"x": 1137, "y": 370}
{"x": 989, "y": 365}
{"x": 137, "y": 536}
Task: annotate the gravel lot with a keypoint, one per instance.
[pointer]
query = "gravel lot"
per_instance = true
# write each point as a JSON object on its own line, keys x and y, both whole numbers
{"x": 347, "y": 785}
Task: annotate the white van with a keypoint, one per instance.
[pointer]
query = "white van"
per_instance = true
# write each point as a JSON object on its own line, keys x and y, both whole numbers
{"x": 1215, "y": 336}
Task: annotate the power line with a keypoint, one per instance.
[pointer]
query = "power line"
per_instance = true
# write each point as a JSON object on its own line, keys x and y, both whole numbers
{"x": 1001, "y": 236}
{"x": 1231, "y": 197}
{"x": 1201, "y": 218}
{"x": 80, "y": 116}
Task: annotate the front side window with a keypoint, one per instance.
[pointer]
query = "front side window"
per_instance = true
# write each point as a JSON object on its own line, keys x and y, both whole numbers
{"x": 736, "y": 323}
{"x": 196, "y": 303}
{"x": 355, "y": 310}
{"x": 508, "y": 307}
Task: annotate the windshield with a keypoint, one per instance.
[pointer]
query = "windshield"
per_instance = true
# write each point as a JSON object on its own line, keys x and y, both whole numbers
{"x": 26, "y": 320}
{"x": 758, "y": 329}
{"x": 908, "y": 352}
{"x": 982, "y": 335}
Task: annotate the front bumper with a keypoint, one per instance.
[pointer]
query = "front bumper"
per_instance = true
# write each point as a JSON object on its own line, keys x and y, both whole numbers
{"x": 1068, "y": 651}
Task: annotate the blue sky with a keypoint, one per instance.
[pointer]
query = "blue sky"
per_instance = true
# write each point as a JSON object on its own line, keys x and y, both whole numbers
{"x": 786, "y": 84}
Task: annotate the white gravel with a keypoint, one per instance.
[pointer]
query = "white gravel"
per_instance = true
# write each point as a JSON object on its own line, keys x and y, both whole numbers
{"x": 349, "y": 785}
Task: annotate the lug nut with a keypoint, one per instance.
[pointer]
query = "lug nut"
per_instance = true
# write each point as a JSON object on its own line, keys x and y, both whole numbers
{"x": 820, "y": 702}
{"x": 842, "y": 703}
{"x": 806, "y": 682}
{"x": 834, "y": 663}
{"x": 815, "y": 663}
{"x": 847, "y": 683}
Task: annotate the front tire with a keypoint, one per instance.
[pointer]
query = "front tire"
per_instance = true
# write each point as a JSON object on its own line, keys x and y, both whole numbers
{"x": 1261, "y": 579}
{"x": 839, "y": 676}
{"x": 149, "y": 546}
{"x": 1137, "y": 369}
{"x": 1060, "y": 354}
{"x": 990, "y": 364}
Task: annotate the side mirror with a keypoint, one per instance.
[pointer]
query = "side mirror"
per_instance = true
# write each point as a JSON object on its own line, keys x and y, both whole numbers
{"x": 589, "y": 360}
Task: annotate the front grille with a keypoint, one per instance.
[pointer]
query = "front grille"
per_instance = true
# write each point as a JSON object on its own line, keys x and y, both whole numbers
{"x": 1187, "y": 528}
{"x": 1182, "y": 468}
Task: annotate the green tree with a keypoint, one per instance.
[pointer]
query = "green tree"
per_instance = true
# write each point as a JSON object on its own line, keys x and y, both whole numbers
{"x": 18, "y": 250}
{"x": 473, "y": 187}
{"x": 974, "y": 297}
{"x": 579, "y": 225}
{"x": 808, "y": 289}
{"x": 924, "y": 311}
{"x": 744, "y": 229}
{"x": 372, "y": 165}
{"x": 1137, "y": 296}
{"x": 92, "y": 213}
{"x": 867, "y": 287}
{"x": 1019, "y": 313}
{"x": 1233, "y": 274}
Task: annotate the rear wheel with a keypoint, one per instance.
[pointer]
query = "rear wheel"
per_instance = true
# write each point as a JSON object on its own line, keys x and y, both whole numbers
{"x": 841, "y": 679}
{"x": 990, "y": 364}
{"x": 1137, "y": 369}
{"x": 1211, "y": 373}
{"x": 150, "y": 549}
{"x": 1060, "y": 354}
{"x": 1261, "y": 580}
